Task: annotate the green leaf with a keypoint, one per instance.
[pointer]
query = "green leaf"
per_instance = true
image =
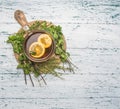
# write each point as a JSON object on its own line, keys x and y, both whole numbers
{"x": 19, "y": 66}
{"x": 32, "y": 53}
{"x": 55, "y": 36}
{"x": 26, "y": 71}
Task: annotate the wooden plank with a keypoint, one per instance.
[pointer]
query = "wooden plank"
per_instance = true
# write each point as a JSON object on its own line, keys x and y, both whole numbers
{"x": 91, "y": 29}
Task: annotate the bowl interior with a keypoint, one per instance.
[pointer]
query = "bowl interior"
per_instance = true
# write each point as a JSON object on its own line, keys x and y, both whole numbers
{"x": 31, "y": 38}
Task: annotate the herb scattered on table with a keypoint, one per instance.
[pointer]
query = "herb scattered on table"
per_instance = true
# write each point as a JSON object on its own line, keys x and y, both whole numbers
{"x": 60, "y": 58}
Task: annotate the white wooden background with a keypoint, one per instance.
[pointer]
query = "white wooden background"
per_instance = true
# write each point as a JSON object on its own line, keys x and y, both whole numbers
{"x": 92, "y": 31}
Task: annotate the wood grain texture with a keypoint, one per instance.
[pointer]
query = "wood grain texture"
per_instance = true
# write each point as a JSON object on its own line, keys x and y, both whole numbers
{"x": 92, "y": 32}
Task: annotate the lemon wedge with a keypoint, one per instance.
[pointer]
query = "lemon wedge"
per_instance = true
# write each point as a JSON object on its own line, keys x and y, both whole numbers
{"x": 45, "y": 39}
{"x": 36, "y": 50}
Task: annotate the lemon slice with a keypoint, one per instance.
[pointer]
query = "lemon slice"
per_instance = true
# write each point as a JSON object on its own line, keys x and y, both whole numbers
{"x": 45, "y": 39}
{"x": 36, "y": 50}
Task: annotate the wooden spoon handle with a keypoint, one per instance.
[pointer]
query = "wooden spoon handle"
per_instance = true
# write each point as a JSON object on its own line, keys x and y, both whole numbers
{"x": 21, "y": 19}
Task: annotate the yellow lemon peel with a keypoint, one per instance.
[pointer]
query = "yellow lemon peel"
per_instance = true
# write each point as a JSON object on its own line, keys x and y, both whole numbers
{"x": 45, "y": 39}
{"x": 37, "y": 50}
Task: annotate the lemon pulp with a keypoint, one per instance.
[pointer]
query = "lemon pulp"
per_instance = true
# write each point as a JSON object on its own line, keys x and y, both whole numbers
{"x": 45, "y": 39}
{"x": 36, "y": 50}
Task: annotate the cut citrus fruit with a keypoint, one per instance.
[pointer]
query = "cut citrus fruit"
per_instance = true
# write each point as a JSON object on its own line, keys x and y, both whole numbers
{"x": 45, "y": 39}
{"x": 36, "y": 50}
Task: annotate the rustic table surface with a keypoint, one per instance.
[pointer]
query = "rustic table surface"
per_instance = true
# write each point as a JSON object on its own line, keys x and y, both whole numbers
{"x": 92, "y": 32}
